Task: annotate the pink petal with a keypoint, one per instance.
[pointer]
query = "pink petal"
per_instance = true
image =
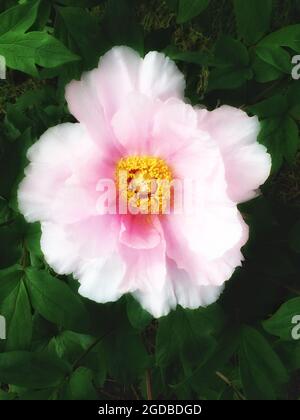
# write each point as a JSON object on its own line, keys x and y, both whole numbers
{"x": 160, "y": 77}
{"x": 247, "y": 162}
{"x": 56, "y": 158}
{"x": 146, "y": 278}
{"x": 140, "y": 232}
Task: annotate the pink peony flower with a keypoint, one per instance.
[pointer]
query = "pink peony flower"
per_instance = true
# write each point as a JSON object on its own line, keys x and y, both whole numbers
{"x": 133, "y": 119}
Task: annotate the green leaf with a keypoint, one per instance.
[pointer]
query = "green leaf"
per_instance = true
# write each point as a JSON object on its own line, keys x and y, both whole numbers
{"x": 281, "y": 323}
{"x": 80, "y": 386}
{"x": 275, "y": 56}
{"x": 127, "y": 365}
{"x": 288, "y": 36}
{"x": 262, "y": 372}
{"x": 279, "y": 132}
{"x": 19, "y": 18}
{"x": 231, "y": 63}
{"x": 23, "y": 51}
{"x": 188, "y": 9}
{"x": 275, "y": 106}
{"x": 199, "y": 58}
{"x": 281, "y": 137}
{"x": 9, "y": 279}
{"x": 226, "y": 346}
{"x": 264, "y": 72}
{"x": 56, "y": 302}
{"x": 193, "y": 340}
{"x": 231, "y": 53}
{"x": 6, "y": 214}
{"x": 120, "y": 25}
{"x": 10, "y": 245}
{"x": 228, "y": 78}
{"x": 138, "y": 317}
{"x": 253, "y": 19}
{"x": 31, "y": 370}
{"x": 33, "y": 238}
{"x": 78, "y": 22}
{"x": 69, "y": 345}
{"x": 17, "y": 312}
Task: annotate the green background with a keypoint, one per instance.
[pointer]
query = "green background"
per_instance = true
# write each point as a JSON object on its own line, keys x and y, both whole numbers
{"x": 61, "y": 346}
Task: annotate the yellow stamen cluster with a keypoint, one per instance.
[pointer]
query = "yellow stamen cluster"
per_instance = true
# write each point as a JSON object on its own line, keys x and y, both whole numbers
{"x": 144, "y": 183}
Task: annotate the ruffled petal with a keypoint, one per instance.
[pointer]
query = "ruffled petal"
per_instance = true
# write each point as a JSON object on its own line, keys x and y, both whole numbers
{"x": 202, "y": 269}
{"x": 189, "y": 294}
{"x": 160, "y": 77}
{"x": 146, "y": 278}
{"x": 59, "y": 252}
{"x": 140, "y": 232}
{"x": 100, "y": 278}
{"x": 247, "y": 162}
{"x": 56, "y": 160}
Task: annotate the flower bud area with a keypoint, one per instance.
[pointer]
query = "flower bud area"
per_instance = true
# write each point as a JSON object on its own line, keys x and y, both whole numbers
{"x": 144, "y": 183}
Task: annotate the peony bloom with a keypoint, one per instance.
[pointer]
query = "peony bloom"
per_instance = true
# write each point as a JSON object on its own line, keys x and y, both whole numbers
{"x": 132, "y": 119}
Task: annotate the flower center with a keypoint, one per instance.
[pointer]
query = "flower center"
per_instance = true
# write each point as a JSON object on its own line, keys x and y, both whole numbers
{"x": 144, "y": 183}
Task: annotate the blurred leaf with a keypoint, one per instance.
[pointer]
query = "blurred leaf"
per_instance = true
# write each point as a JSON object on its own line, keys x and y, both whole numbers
{"x": 193, "y": 340}
{"x": 281, "y": 323}
{"x": 138, "y": 317}
{"x": 10, "y": 245}
{"x": 127, "y": 365}
{"x": 262, "y": 372}
{"x": 279, "y": 132}
{"x": 276, "y": 57}
{"x": 78, "y": 22}
{"x": 120, "y": 25}
{"x": 80, "y": 3}
{"x": 187, "y": 9}
{"x": 9, "y": 279}
{"x": 288, "y": 36}
{"x": 253, "y": 19}
{"x": 17, "y": 311}
{"x": 264, "y": 72}
{"x": 199, "y": 58}
{"x": 231, "y": 63}
{"x": 80, "y": 386}
{"x": 28, "y": 370}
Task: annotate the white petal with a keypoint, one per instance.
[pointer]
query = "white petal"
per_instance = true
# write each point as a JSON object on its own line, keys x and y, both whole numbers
{"x": 100, "y": 279}
{"x": 59, "y": 252}
{"x": 160, "y": 77}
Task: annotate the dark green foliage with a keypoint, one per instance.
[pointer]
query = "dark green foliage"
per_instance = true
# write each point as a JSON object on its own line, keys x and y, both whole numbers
{"x": 62, "y": 346}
